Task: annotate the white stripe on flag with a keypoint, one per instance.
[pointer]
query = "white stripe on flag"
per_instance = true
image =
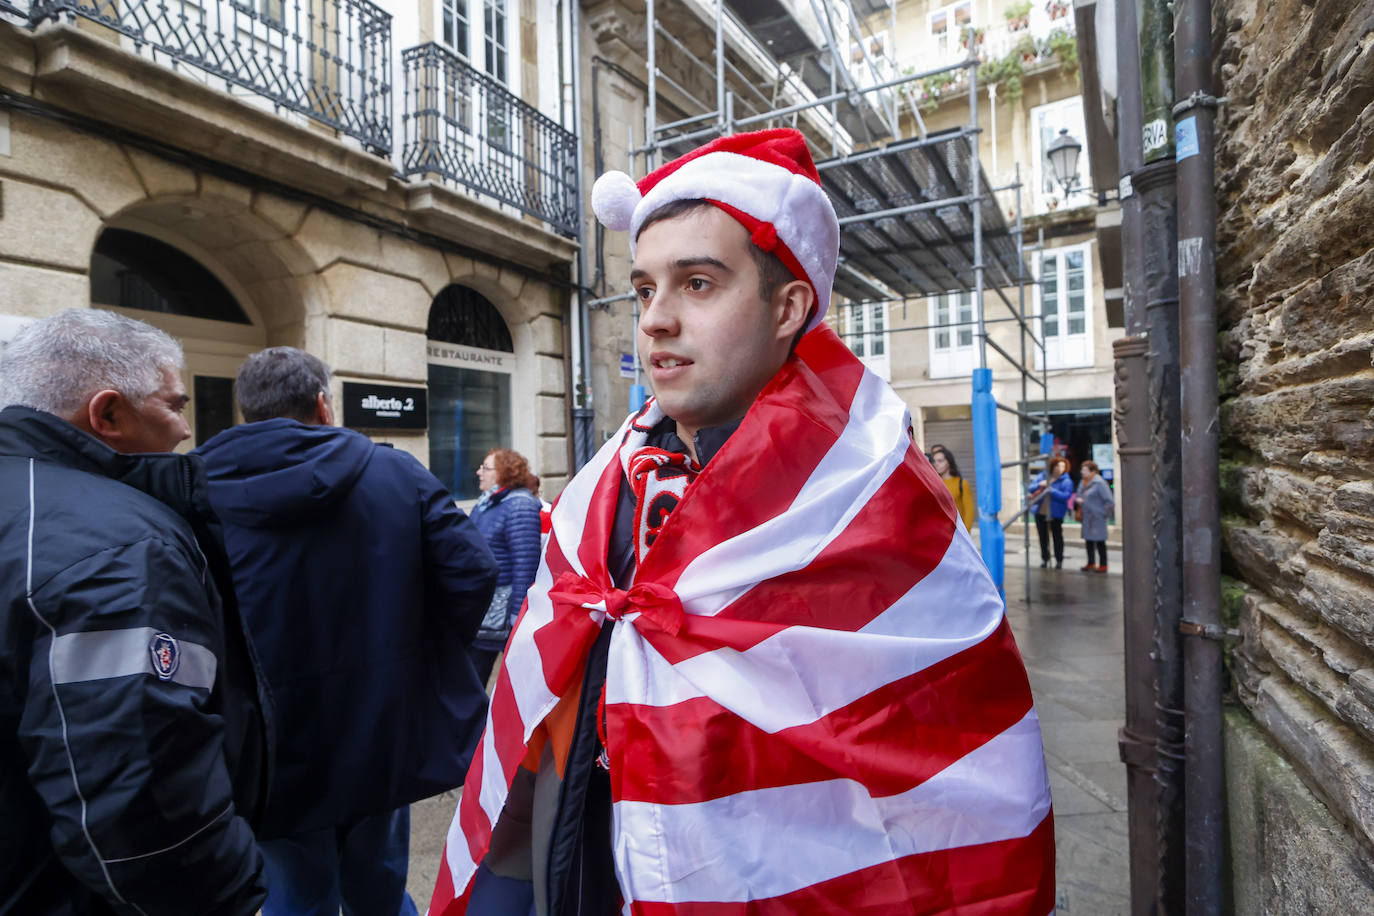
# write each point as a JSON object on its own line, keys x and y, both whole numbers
{"x": 729, "y": 849}
{"x": 571, "y": 512}
{"x": 872, "y": 445}
{"x": 789, "y": 678}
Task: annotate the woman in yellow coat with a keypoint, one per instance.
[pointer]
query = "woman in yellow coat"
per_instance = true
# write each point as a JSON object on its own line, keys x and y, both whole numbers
{"x": 943, "y": 461}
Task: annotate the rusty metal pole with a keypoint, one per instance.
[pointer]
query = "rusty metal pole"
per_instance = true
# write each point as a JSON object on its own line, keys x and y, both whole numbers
{"x": 1205, "y": 776}
{"x": 1137, "y": 737}
{"x": 1155, "y": 183}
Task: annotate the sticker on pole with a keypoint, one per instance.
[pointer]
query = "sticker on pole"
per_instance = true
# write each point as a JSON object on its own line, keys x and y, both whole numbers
{"x": 1185, "y": 138}
{"x": 1155, "y": 135}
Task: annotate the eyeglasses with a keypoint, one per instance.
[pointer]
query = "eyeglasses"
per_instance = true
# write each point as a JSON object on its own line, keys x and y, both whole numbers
{"x": 486, "y": 467}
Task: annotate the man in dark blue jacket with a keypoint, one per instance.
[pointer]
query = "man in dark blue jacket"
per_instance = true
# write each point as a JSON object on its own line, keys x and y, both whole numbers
{"x": 132, "y": 742}
{"x": 362, "y": 585}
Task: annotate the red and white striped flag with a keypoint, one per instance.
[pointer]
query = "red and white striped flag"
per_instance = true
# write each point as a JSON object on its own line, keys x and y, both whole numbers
{"x": 813, "y": 701}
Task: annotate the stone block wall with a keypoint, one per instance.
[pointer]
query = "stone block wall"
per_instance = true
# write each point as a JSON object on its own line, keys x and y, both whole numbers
{"x": 1295, "y": 199}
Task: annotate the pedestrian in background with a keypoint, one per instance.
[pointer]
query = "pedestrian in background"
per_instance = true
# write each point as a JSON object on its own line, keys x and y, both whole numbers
{"x": 134, "y": 758}
{"x": 507, "y": 514}
{"x": 1095, "y": 503}
{"x": 1049, "y": 496}
{"x": 362, "y": 584}
{"x": 942, "y": 459}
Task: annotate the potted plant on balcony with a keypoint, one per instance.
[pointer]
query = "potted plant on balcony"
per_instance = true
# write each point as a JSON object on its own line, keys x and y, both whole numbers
{"x": 977, "y": 34}
{"x": 1028, "y": 50}
{"x": 1057, "y": 9}
{"x": 1018, "y": 15}
{"x": 1063, "y": 45}
{"x": 1006, "y": 73}
{"x": 932, "y": 88}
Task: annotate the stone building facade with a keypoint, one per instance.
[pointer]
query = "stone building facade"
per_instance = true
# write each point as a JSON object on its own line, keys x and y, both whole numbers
{"x": 133, "y": 180}
{"x": 926, "y": 347}
{"x": 1295, "y": 207}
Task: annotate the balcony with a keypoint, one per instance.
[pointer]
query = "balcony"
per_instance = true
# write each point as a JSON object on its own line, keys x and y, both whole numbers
{"x": 464, "y": 126}
{"x": 328, "y": 60}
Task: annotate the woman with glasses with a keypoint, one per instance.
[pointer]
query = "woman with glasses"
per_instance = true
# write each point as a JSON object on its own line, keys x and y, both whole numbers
{"x": 507, "y": 514}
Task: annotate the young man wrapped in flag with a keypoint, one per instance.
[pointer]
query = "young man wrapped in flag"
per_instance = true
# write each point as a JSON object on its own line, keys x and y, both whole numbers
{"x": 762, "y": 668}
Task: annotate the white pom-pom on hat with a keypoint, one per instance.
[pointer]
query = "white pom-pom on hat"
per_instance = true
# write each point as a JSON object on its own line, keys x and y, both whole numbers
{"x": 614, "y": 198}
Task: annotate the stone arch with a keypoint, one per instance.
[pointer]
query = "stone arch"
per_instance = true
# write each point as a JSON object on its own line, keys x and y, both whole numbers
{"x": 265, "y": 273}
{"x": 244, "y": 243}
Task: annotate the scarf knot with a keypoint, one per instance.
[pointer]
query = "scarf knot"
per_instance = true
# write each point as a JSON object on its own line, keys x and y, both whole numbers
{"x": 657, "y": 606}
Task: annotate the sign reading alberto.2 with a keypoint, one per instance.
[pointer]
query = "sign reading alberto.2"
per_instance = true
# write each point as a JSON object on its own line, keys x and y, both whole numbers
{"x": 368, "y": 406}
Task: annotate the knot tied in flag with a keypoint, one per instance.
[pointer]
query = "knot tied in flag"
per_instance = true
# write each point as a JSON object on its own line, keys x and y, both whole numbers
{"x": 645, "y": 604}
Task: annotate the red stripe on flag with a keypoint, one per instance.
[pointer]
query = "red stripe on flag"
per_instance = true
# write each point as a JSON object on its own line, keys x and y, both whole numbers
{"x": 474, "y": 821}
{"x": 890, "y": 740}
{"x": 745, "y": 485}
{"x": 509, "y": 733}
{"x": 596, "y": 530}
{"x": 1006, "y": 878}
{"x": 853, "y": 580}
{"x": 442, "y": 901}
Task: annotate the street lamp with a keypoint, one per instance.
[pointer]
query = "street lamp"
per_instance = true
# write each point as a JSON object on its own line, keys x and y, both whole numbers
{"x": 1063, "y": 157}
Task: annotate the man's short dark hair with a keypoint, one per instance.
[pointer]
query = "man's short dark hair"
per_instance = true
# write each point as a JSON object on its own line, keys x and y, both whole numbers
{"x": 772, "y": 272}
{"x": 281, "y": 382}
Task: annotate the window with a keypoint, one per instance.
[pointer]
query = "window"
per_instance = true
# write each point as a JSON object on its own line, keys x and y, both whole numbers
{"x": 952, "y": 336}
{"x": 136, "y": 271}
{"x": 946, "y": 29}
{"x": 455, "y": 26}
{"x": 1046, "y": 122}
{"x": 1065, "y": 306}
{"x": 865, "y": 331}
{"x": 494, "y": 34}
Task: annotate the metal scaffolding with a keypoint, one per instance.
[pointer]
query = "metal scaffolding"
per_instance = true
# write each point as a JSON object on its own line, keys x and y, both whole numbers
{"x": 918, "y": 216}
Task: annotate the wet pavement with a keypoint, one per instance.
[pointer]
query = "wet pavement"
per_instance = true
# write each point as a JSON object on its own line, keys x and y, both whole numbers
{"x": 1070, "y": 637}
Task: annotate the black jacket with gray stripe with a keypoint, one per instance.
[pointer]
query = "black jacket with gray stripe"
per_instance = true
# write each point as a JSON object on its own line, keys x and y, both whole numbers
{"x": 133, "y": 753}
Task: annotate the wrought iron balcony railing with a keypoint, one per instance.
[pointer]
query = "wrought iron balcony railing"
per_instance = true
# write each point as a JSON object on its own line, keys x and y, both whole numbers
{"x": 327, "y": 59}
{"x": 465, "y": 126}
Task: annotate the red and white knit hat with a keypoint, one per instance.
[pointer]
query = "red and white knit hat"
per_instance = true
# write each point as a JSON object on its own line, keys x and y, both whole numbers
{"x": 765, "y": 179}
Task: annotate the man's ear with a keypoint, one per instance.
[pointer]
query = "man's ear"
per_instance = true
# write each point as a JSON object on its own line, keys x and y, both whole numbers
{"x": 793, "y": 303}
{"x": 107, "y": 416}
{"x": 324, "y": 411}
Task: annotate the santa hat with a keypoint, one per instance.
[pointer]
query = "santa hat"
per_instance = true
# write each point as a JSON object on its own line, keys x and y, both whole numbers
{"x": 765, "y": 179}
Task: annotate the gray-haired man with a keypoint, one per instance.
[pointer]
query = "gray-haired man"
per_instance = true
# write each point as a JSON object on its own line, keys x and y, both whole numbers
{"x": 132, "y": 742}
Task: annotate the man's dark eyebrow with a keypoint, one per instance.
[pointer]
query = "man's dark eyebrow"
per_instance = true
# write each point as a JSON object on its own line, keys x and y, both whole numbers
{"x": 685, "y": 264}
{"x": 701, "y": 261}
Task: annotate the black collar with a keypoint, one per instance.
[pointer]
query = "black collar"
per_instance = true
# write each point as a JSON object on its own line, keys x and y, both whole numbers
{"x": 705, "y": 443}
{"x": 176, "y": 480}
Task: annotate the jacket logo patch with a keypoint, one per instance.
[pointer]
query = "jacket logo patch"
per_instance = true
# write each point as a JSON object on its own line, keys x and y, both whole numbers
{"x": 166, "y": 655}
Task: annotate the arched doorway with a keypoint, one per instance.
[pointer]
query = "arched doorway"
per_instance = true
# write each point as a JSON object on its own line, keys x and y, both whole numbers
{"x": 471, "y": 364}
{"x": 149, "y": 279}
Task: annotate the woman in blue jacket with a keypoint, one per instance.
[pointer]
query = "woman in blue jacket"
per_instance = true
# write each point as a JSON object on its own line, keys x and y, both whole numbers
{"x": 1049, "y": 501}
{"x": 507, "y": 514}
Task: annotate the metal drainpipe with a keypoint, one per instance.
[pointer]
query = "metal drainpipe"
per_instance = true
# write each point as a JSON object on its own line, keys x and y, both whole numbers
{"x": 1205, "y": 777}
{"x": 1136, "y": 739}
{"x": 1155, "y": 184}
{"x": 584, "y": 414}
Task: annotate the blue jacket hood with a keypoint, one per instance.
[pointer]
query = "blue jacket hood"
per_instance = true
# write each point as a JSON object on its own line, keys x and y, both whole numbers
{"x": 278, "y": 472}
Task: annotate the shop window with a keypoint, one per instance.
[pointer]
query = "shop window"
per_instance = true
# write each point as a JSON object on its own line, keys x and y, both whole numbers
{"x": 471, "y": 361}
